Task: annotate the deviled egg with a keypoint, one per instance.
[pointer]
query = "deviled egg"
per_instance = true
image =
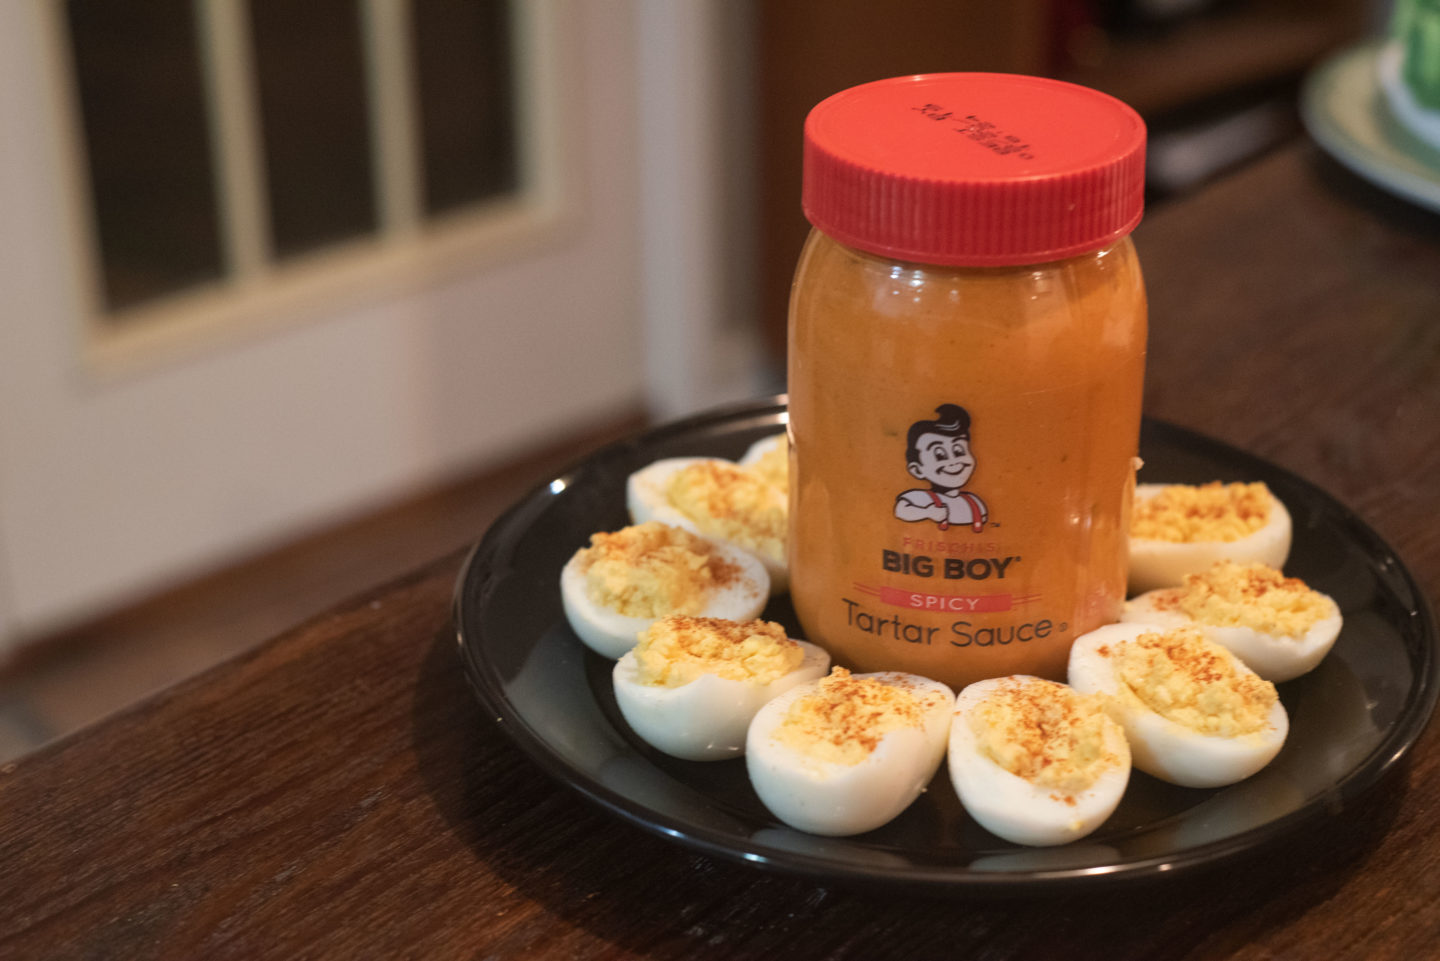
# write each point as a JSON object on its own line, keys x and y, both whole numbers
{"x": 1193, "y": 713}
{"x": 1035, "y": 762}
{"x": 1277, "y": 625}
{"x": 848, "y": 752}
{"x": 719, "y": 499}
{"x": 691, "y": 685}
{"x": 625, "y": 580}
{"x": 1179, "y": 529}
{"x": 770, "y": 458}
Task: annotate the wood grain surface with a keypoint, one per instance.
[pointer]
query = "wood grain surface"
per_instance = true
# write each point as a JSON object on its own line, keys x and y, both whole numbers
{"x": 338, "y": 793}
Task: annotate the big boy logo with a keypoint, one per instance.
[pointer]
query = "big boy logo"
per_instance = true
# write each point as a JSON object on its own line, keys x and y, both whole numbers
{"x": 938, "y": 453}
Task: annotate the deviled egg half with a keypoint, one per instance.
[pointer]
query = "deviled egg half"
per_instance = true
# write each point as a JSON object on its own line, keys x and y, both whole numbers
{"x": 1179, "y": 529}
{"x": 1193, "y": 713}
{"x": 1035, "y": 762}
{"x": 691, "y": 685}
{"x": 1277, "y": 625}
{"x": 847, "y": 753}
{"x": 769, "y": 457}
{"x": 718, "y": 499}
{"x": 625, "y": 580}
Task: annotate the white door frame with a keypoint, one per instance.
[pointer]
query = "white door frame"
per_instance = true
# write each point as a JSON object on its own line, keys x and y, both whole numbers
{"x": 115, "y": 486}
{"x": 696, "y": 83}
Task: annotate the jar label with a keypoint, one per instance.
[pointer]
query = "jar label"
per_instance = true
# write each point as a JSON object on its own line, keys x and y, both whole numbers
{"x": 959, "y": 547}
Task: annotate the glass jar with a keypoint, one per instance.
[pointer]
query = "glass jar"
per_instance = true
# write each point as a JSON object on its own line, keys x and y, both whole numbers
{"x": 966, "y": 353}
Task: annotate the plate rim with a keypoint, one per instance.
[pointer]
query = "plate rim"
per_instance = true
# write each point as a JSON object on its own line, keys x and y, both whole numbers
{"x": 1331, "y": 129}
{"x": 1408, "y": 726}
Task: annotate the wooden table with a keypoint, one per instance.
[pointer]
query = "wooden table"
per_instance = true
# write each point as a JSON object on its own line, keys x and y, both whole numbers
{"x": 338, "y": 792}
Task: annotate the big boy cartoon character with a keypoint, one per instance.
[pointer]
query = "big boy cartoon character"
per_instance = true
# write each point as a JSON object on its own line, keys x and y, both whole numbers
{"x": 938, "y": 453}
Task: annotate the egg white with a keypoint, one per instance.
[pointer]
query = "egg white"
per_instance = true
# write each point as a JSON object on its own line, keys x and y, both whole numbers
{"x": 1155, "y": 563}
{"x": 1275, "y": 657}
{"x": 1018, "y": 810}
{"x": 706, "y": 719}
{"x": 1159, "y": 746}
{"x": 646, "y": 500}
{"x": 609, "y": 633}
{"x": 821, "y": 797}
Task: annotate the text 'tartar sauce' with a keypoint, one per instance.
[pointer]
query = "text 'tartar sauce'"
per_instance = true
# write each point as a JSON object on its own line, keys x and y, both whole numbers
{"x": 966, "y": 350}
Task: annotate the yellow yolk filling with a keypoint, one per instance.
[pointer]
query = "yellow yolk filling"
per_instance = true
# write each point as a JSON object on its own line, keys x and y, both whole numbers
{"x": 677, "y": 650}
{"x": 1046, "y": 733}
{"x": 1194, "y": 682}
{"x": 732, "y": 503}
{"x": 1249, "y": 595}
{"x": 846, "y": 718}
{"x": 653, "y": 569}
{"x": 1184, "y": 514}
{"x": 773, "y": 466}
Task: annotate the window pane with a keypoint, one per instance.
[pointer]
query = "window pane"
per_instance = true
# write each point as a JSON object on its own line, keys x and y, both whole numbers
{"x": 147, "y": 144}
{"x": 463, "y": 64}
{"x": 314, "y": 124}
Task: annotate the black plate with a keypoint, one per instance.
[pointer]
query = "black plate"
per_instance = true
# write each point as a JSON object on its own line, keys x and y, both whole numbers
{"x": 1352, "y": 718}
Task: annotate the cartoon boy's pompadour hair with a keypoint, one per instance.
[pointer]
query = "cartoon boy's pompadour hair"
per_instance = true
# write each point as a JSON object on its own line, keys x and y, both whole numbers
{"x": 951, "y": 420}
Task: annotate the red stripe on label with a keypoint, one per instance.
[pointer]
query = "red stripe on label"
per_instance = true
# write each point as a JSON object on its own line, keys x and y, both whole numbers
{"x": 958, "y": 603}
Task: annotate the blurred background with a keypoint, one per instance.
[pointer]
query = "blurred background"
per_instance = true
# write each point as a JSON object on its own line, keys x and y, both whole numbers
{"x": 295, "y": 295}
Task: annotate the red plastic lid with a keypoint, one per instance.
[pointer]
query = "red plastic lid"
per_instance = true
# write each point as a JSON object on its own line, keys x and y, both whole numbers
{"x": 977, "y": 169}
